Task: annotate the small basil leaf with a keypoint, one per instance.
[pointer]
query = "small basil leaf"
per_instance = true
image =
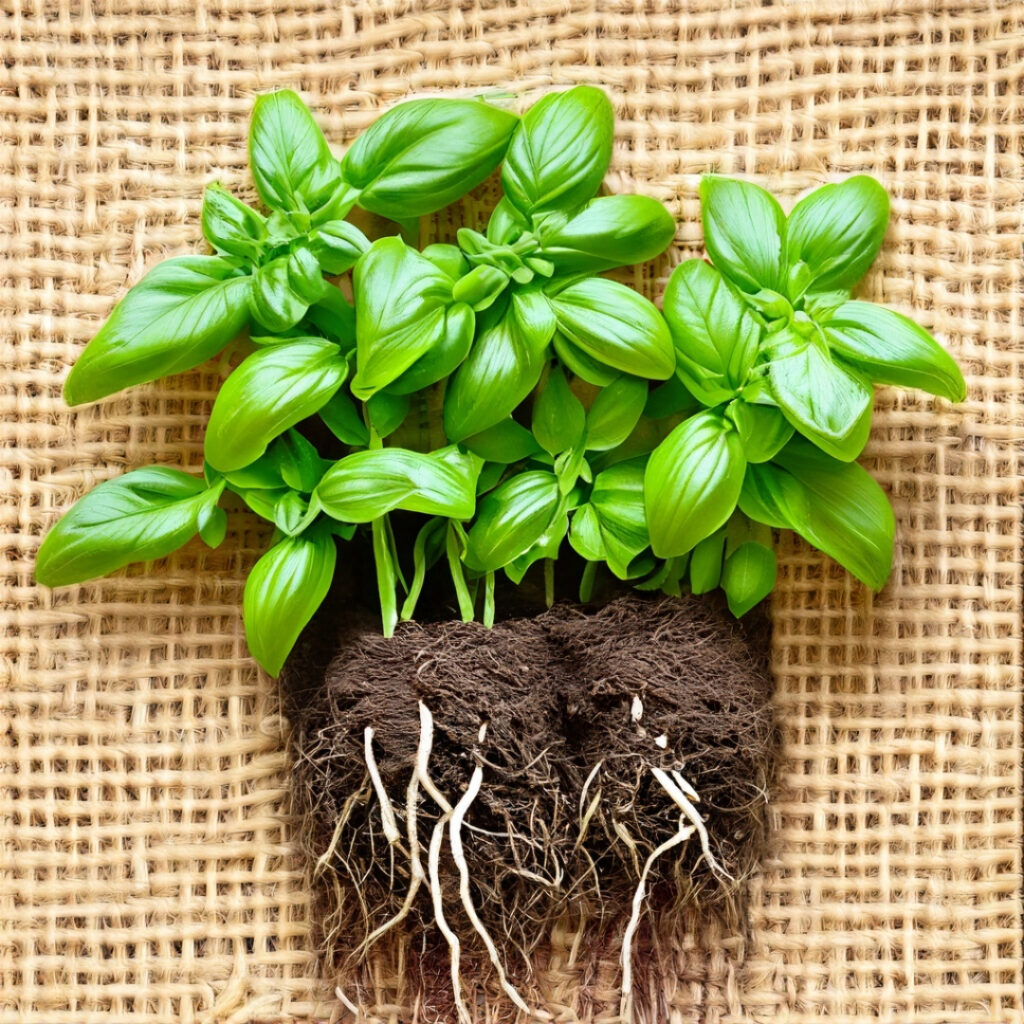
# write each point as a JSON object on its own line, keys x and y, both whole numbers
{"x": 893, "y": 350}
{"x": 291, "y": 163}
{"x": 231, "y": 226}
{"x": 504, "y": 443}
{"x": 343, "y": 420}
{"x": 559, "y": 419}
{"x": 617, "y": 499}
{"x": 611, "y": 231}
{"x": 559, "y": 152}
{"x": 365, "y": 485}
{"x": 763, "y": 429}
{"x": 447, "y": 258}
{"x": 387, "y": 412}
{"x": 402, "y": 303}
{"x": 213, "y": 526}
{"x": 293, "y": 513}
{"x": 480, "y": 287}
{"x": 773, "y": 497}
{"x": 511, "y": 519}
{"x": 298, "y": 461}
{"x": 503, "y": 366}
{"x": 834, "y": 234}
{"x": 145, "y": 514}
{"x": 615, "y": 326}
{"x": 715, "y": 335}
{"x": 335, "y": 317}
{"x": 183, "y": 312}
{"x": 285, "y": 587}
{"x": 692, "y": 483}
{"x": 506, "y": 224}
{"x": 743, "y": 232}
{"x": 337, "y": 245}
{"x": 615, "y": 412}
{"x": 706, "y": 563}
{"x": 284, "y": 289}
{"x": 582, "y": 365}
{"x": 424, "y": 154}
{"x": 270, "y": 391}
{"x": 845, "y": 513}
{"x": 748, "y": 577}
{"x": 828, "y": 403}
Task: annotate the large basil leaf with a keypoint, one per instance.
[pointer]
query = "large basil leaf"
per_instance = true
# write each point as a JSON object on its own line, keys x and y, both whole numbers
{"x": 285, "y": 288}
{"x": 615, "y": 412}
{"x": 145, "y": 514}
{"x": 611, "y": 231}
{"x": 285, "y": 587}
{"x": 559, "y": 152}
{"x": 748, "y": 576}
{"x": 615, "y": 326}
{"x": 834, "y": 234}
{"x": 270, "y": 391}
{"x": 692, "y": 483}
{"x": 743, "y": 231}
{"x": 502, "y": 368}
{"x": 827, "y": 402}
{"x": 511, "y": 519}
{"x": 231, "y": 226}
{"x": 444, "y": 356}
{"x": 365, "y": 485}
{"x": 715, "y": 335}
{"x": 559, "y": 418}
{"x": 424, "y": 154}
{"x": 612, "y": 526}
{"x": 893, "y": 350}
{"x": 291, "y": 163}
{"x": 403, "y": 302}
{"x": 183, "y": 312}
{"x": 843, "y": 512}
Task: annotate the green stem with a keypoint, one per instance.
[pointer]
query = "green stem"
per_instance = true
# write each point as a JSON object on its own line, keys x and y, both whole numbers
{"x": 385, "y": 576}
{"x": 419, "y": 561}
{"x": 549, "y": 581}
{"x": 458, "y": 576}
{"x": 587, "y": 582}
{"x": 489, "y": 600}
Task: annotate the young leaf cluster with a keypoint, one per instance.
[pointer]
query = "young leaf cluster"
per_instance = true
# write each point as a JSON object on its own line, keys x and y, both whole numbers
{"x": 498, "y": 399}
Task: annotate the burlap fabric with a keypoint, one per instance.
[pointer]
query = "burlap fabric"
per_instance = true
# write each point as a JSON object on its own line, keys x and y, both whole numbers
{"x": 147, "y": 871}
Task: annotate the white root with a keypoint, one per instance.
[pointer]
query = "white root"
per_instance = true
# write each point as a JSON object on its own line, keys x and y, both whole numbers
{"x": 459, "y": 856}
{"x": 679, "y": 798}
{"x": 684, "y": 833}
{"x": 387, "y": 812}
{"x": 454, "y": 946}
{"x": 349, "y": 1005}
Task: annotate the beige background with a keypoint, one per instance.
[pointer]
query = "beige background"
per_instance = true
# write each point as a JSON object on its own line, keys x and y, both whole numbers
{"x": 146, "y": 867}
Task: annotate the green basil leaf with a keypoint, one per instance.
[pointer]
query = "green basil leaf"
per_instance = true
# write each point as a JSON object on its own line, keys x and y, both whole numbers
{"x": 232, "y": 227}
{"x": 387, "y": 412}
{"x": 291, "y": 163}
{"x": 285, "y": 288}
{"x": 337, "y": 245}
{"x": 715, "y": 335}
{"x": 611, "y": 231}
{"x": 617, "y": 500}
{"x": 834, "y": 234}
{"x": 183, "y": 312}
{"x": 559, "y": 418}
{"x": 547, "y": 547}
{"x": 743, "y": 231}
{"x": 506, "y": 224}
{"x": 692, "y": 483}
{"x": 511, "y": 519}
{"x": 828, "y": 403}
{"x": 402, "y": 305}
{"x": 581, "y": 365}
{"x": 365, "y": 485}
{"x": 270, "y": 391}
{"x": 335, "y": 317}
{"x": 559, "y": 152}
{"x": 893, "y": 350}
{"x": 285, "y": 587}
{"x": 503, "y": 366}
{"x": 213, "y": 526}
{"x": 297, "y": 461}
{"x": 615, "y": 326}
{"x": 748, "y": 576}
{"x": 504, "y": 443}
{"x": 443, "y": 357}
{"x": 844, "y": 512}
{"x": 480, "y": 287}
{"x": 615, "y": 412}
{"x": 293, "y": 513}
{"x": 447, "y": 258}
{"x": 672, "y": 398}
{"x": 145, "y": 514}
{"x": 772, "y": 497}
{"x": 424, "y": 154}
{"x": 706, "y": 563}
{"x": 763, "y": 429}
{"x": 343, "y": 420}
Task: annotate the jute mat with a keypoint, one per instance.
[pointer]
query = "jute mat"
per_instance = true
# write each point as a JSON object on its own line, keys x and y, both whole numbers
{"x": 147, "y": 871}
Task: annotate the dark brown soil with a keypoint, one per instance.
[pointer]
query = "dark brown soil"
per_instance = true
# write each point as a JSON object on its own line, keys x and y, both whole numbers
{"x": 579, "y": 708}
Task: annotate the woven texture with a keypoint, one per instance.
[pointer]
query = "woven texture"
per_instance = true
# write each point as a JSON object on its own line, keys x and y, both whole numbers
{"x": 147, "y": 874}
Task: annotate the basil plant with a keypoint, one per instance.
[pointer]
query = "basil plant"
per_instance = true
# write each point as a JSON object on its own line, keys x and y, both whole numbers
{"x": 499, "y": 398}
